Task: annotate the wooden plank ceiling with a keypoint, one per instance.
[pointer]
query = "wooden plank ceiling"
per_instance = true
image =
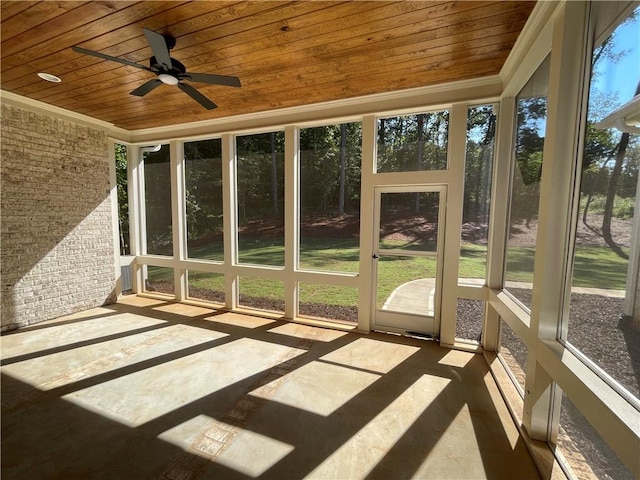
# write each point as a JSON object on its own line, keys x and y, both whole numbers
{"x": 285, "y": 53}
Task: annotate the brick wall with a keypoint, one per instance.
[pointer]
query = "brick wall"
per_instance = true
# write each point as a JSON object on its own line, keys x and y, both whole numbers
{"x": 56, "y": 249}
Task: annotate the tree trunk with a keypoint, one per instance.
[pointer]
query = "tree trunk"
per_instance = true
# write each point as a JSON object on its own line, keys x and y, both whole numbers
{"x": 621, "y": 151}
{"x": 343, "y": 162}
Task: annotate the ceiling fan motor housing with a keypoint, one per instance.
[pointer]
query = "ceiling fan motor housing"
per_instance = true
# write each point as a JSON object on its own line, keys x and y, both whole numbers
{"x": 177, "y": 68}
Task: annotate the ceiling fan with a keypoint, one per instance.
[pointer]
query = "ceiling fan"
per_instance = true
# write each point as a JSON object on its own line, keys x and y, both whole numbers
{"x": 168, "y": 70}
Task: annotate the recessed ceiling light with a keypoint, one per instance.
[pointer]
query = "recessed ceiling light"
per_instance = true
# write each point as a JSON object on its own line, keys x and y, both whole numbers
{"x": 49, "y": 78}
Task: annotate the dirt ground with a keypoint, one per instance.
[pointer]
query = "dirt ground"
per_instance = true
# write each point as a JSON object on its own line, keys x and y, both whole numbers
{"x": 586, "y": 235}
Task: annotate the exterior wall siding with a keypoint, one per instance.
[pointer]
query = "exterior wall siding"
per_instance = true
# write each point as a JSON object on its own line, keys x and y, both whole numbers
{"x": 56, "y": 250}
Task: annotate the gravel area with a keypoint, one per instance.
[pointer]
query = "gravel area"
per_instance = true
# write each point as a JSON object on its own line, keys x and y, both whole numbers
{"x": 598, "y": 331}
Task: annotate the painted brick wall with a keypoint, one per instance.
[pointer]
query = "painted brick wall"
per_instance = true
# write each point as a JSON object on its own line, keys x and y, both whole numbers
{"x": 56, "y": 249}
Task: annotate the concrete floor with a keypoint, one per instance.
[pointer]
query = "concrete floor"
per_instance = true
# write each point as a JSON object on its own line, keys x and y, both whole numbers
{"x": 148, "y": 389}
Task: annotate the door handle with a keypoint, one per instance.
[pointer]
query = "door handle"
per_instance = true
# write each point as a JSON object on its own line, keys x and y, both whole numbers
{"x": 375, "y": 256}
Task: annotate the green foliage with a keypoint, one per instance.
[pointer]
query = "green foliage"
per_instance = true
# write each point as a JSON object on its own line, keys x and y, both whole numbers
{"x": 525, "y": 193}
{"x": 203, "y": 188}
{"x": 123, "y": 197}
{"x": 413, "y": 142}
{"x": 157, "y": 187}
{"x": 325, "y": 175}
{"x": 260, "y": 175}
{"x": 481, "y": 123}
{"x": 623, "y": 208}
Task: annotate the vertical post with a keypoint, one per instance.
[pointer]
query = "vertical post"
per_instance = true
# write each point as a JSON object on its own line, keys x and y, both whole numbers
{"x": 178, "y": 221}
{"x": 366, "y": 287}
{"x": 630, "y": 297}
{"x": 137, "y": 221}
{"x": 453, "y": 223}
{"x": 291, "y": 219}
{"x": 229, "y": 210}
{"x": 499, "y": 217}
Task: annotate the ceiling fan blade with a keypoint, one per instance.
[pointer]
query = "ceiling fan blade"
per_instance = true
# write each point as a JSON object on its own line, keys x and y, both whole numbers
{"x": 159, "y": 47}
{"x": 145, "y": 88}
{"x": 213, "y": 79}
{"x": 197, "y": 96}
{"x": 109, "y": 57}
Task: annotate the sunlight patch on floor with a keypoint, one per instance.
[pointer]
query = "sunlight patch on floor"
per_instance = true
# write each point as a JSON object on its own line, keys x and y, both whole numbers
{"x": 184, "y": 310}
{"x": 372, "y": 355}
{"x": 253, "y": 454}
{"x": 308, "y": 332}
{"x": 31, "y": 341}
{"x": 362, "y": 452}
{"x": 239, "y": 320}
{"x": 317, "y": 387}
{"x": 456, "y": 358}
{"x": 62, "y": 368}
{"x": 141, "y": 302}
{"x": 151, "y": 393}
{"x": 186, "y": 433}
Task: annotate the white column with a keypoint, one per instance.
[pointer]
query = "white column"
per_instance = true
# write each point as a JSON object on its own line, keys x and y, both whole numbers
{"x": 453, "y": 223}
{"x": 230, "y": 229}
{"x": 137, "y": 219}
{"x": 291, "y": 220}
{"x": 366, "y": 286}
{"x": 499, "y": 217}
{"x": 178, "y": 221}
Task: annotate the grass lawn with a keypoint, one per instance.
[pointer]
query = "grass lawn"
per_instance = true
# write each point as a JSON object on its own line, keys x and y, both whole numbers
{"x": 594, "y": 267}
{"x": 342, "y": 255}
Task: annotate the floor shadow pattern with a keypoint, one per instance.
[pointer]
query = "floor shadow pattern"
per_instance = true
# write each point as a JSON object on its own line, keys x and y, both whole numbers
{"x": 159, "y": 390}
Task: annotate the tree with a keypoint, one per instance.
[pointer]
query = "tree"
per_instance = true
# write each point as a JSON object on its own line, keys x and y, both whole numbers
{"x": 621, "y": 150}
{"x": 481, "y": 123}
{"x": 532, "y": 113}
{"x": 123, "y": 197}
{"x": 203, "y": 189}
{"x": 343, "y": 161}
{"x": 598, "y": 143}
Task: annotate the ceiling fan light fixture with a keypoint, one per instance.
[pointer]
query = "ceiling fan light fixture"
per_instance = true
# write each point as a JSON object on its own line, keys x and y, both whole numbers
{"x": 168, "y": 79}
{"x": 169, "y": 71}
{"x": 48, "y": 77}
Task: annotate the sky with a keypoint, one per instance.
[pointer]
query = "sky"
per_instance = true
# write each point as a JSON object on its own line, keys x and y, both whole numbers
{"x": 623, "y": 76}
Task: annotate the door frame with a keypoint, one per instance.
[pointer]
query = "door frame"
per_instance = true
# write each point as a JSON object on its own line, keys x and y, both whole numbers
{"x": 405, "y": 322}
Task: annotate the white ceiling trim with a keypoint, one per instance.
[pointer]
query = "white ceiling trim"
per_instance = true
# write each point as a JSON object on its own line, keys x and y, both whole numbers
{"x": 401, "y": 101}
{"x": 522, "y": 49}
{"x": 337, "y": 110}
